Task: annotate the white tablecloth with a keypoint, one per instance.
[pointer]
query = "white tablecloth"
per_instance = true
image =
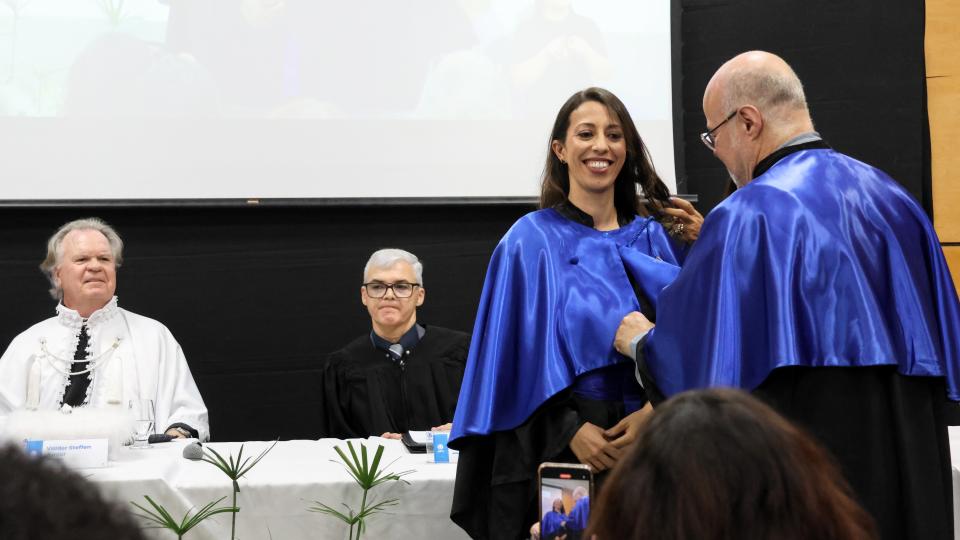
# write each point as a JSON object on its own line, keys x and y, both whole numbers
{"x": 275, "y": 496}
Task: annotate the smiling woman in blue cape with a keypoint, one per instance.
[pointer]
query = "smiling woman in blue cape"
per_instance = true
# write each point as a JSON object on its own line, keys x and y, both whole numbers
{"x": 543, "y": 381}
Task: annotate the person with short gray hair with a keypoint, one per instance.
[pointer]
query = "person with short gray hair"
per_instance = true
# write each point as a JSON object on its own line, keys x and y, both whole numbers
{"x": 402, "y": 375}
{"x": 93, "y": 353}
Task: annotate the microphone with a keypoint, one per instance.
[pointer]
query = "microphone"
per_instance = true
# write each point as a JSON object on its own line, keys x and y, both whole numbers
{"x": 193, "y": 451}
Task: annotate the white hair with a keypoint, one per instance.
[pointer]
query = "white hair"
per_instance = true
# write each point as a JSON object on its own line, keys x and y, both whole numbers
{"x": 55, "y": 247}
{"x": 386, "y": 258}
{"x": 770, "y": 91}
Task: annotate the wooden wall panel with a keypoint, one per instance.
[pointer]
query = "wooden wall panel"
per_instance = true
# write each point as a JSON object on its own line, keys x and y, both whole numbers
{"x": 942, "y": 51}
{"x": 953, "y": 259}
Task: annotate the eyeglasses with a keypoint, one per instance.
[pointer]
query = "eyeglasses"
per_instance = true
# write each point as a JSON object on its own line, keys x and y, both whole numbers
{"x": 707, "y": 136}
{"x": 401, "y": 289}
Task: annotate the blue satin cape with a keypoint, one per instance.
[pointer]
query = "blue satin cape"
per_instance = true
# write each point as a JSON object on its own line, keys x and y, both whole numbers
{"x": 820, "y": 261}
{"x": 554, "y": 295}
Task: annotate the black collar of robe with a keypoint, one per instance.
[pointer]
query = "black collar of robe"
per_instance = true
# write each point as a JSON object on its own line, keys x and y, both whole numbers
{"x": 570, "y": 211}
{"x": 781, "y": 153}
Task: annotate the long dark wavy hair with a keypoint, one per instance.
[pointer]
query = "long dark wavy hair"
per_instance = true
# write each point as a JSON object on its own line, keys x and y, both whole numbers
{"x": 637, "y": 169}
{"x": 721, "y": 465}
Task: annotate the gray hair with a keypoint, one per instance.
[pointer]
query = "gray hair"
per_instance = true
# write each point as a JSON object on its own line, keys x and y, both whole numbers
{"x": 385, "y": 258}
{"x": 55, "y": 247}
{"x": 770, "y": 91}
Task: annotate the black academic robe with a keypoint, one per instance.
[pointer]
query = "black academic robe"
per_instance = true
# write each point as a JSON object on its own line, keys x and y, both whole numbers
{"x": 888, "y": 433}
{"x": 366, "y": 393}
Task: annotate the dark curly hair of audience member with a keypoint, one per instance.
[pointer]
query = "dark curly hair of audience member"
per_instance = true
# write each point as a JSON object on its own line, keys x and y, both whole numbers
{"x": 637, "y": 169}
{"x": 40, "y": 498}
{"x": 720, "y": 464}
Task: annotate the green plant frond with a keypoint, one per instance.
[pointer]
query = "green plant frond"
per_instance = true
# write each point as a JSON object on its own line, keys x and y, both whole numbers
{"x": 200, "y": 516}
{"x": 350, "y": 470}
{"x": 376, "y": 461}
{"x": 217, "y": 461}
{"x": 363, "y": 455}
{"x": 150, "y": 515}
{"x": 376, "y": 508}
{"x": 354, "y": 472}
{"x": 234, "y": 464}
{"x": 164, "y": 520}
{"x": 160, "y": 511}
{"x": 349, "y": 519}
{"x": 353, "y": 454}
{"x": 257, "y": 459}
{"x": 206, "y": 511}
{"x": 368, "y": 474}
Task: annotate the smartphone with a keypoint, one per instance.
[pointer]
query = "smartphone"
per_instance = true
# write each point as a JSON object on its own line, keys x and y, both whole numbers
{"x": 565, "y": 493}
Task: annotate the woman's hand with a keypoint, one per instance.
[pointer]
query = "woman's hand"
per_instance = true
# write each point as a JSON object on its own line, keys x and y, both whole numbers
{"x": 687, "y": 220}
{"x": 626, "y": 430}
{"x": 592, "y": 448}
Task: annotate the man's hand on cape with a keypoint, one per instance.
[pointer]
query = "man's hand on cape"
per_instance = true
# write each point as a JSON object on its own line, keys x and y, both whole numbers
{"x": 631, "y": 326}
{"x": 625, "y": 432}
{"x": 592, "y": 448}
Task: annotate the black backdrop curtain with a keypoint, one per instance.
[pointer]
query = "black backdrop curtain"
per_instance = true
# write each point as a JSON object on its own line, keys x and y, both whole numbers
{"x": 257, "y": 295}
{"x": 861, "y": 63}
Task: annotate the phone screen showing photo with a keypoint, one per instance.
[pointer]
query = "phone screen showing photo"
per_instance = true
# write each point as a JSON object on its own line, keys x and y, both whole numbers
{"x": 564, "y": 501}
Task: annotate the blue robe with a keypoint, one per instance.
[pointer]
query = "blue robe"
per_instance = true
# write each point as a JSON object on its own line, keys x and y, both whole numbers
{"x": 554, "y": 295}
{"x": 820, "y": 261}
{"x": 577, "y": 520}
{"x": 551, "y": 524}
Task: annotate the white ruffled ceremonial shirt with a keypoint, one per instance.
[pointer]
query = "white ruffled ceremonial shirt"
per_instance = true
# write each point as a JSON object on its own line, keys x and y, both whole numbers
{"x": 147, "y": 363}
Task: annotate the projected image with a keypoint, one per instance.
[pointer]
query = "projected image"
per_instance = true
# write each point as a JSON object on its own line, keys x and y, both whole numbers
{"x": 427, "y": 71}
{"x": 314, "y": 58}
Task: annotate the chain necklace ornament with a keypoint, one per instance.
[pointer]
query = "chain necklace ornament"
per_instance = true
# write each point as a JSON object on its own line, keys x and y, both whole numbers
{"x": 94, "y": 362}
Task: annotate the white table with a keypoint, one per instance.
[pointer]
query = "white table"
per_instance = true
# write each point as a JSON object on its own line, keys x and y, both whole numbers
{"x": 275, "y": 496}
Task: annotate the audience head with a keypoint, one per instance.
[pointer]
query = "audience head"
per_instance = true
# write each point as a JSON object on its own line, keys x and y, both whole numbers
{"x": 753, "y": 104}
{"x": 41, "y": 498}
{"x": 392, "y": 290}
{"x": 81, "y": 264}
{"x": 719, "y": 464}
{"x": 566, "y": 167}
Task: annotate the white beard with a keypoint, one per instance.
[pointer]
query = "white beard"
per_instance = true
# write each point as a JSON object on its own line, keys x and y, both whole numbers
{"x": 735, "y": 181}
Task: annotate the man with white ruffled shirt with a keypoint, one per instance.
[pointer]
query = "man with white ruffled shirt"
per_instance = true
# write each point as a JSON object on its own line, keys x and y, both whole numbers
{"x": 93, "y": 353}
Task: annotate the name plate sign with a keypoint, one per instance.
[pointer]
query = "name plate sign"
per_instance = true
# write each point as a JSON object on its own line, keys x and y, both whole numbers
{"x": 77, "y": 453}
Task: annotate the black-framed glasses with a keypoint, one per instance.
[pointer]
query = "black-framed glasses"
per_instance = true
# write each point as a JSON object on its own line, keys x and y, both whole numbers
{"x": 707, "y": 136}
{"x": 401, "y": 289}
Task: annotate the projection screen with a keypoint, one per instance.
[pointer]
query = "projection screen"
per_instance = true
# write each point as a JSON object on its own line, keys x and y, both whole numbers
{"x": 260, "y": 99}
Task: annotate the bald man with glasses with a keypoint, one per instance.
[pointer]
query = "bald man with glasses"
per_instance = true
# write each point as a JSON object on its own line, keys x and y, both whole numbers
{"x": 401, "y": 376}
{"x": 820, "y": 285}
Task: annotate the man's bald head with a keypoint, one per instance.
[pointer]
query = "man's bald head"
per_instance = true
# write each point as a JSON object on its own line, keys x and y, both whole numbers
{"x": 758, "y": 101}
{"x": 761, "y": 79}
